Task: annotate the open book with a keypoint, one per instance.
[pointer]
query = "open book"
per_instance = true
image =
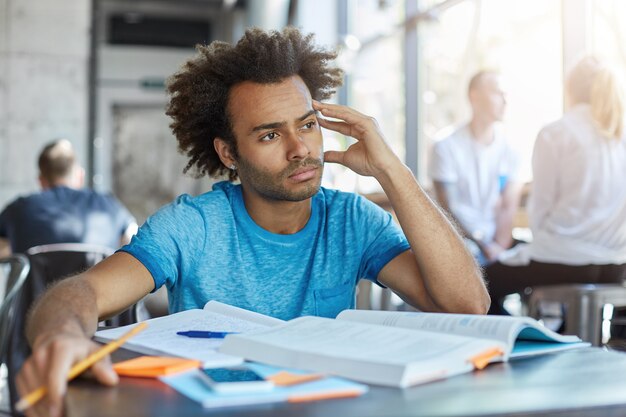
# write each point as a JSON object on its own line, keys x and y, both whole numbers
{"x": 160, "y": 337}
{"x": 378, "y": 347}
{"x": 522, "y": 336}
{"x": 396, "y": 348}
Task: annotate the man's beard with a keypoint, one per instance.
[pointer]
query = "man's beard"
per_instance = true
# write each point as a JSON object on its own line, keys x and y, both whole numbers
{"x": 271, "y": 186}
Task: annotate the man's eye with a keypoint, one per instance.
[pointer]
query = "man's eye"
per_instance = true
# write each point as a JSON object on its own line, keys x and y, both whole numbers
{"x": 309, "y": 125}
{"x": 269, "y": 136}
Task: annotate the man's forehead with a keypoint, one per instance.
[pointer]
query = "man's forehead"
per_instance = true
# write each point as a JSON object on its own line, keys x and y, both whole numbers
{"x": 253, "y": 103}
{"x": 485, "y": 80}
{"x": 288, "y": 86}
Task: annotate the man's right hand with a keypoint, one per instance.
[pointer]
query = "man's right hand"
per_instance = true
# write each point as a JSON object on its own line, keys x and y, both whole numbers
{"x": 52, "y": 358}
{"x": 491, "y": 250}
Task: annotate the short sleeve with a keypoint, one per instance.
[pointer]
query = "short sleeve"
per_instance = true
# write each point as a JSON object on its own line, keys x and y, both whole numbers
{"x": 169, "y": 241}
{"x": 383, "y": 239}
{"x": 441, "y": 165}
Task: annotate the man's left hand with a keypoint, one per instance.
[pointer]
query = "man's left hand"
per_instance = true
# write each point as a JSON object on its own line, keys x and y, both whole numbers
{"x": 370, "y": 155}
{"x": 492, "y": 251}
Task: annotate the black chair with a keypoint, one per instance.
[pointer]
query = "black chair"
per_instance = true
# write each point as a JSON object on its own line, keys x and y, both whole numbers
{"x": 50, "y": 263}
{"x": 18, "y": 267}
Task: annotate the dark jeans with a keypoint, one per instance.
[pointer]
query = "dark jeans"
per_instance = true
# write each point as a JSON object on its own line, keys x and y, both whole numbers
{"x": 503, "y": 280}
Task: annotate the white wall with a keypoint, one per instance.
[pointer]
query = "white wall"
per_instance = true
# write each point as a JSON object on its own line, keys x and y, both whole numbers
{"x": 44, "y": 47}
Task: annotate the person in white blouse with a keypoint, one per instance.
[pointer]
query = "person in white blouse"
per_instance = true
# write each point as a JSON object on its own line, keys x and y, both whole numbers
{"x": 577, "y": 206}
{"x": 475, "y": 172}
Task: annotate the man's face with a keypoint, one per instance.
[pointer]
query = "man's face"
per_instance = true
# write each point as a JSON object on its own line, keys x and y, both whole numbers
{"x": 279, "y": 142}
{"x": 489, "y": 98}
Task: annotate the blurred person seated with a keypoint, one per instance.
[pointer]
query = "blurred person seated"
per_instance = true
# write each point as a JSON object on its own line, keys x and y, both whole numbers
{"x": 475, "y": 172}
{"x": 63, "y": 211}
{"x": 577, "y": 205}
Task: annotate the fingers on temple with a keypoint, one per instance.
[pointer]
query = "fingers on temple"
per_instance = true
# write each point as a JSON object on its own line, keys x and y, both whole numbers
{"x": 357, "y": 125}
{"x": 334, "y": 157}
{"x": 340, "y": 112}
{"x": 340, "y": 127}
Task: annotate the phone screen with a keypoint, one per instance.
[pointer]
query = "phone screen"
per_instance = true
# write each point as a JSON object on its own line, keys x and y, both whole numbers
{"x": 223, "y": 375}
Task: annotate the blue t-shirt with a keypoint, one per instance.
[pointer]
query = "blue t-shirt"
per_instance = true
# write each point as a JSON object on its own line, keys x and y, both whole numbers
{"x": 209, "y": 248}
{"x": 64, "y": 215}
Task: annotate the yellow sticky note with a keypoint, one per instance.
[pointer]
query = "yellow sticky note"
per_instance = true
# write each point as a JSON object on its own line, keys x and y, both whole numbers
{"x": 284, "y": 378}
{"x": 154, "y": 366}
{"x": 481, "y": 360}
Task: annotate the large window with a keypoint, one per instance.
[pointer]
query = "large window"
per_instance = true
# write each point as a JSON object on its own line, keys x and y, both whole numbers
{"x": 528, "y": 41}
{"x": 521, "y": 39}
{"x": 608, "y": 31}
{"x": 372, "y": 57}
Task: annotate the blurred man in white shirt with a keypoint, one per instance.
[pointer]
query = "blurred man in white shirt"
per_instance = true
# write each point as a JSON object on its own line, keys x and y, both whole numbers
{"x": 476, "y": 173}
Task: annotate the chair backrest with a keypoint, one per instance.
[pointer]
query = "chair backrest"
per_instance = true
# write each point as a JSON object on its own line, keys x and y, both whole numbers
{"x": 48, "y": 264}
{"x": 18, "y": 267}
{"x": 70, "y": 247}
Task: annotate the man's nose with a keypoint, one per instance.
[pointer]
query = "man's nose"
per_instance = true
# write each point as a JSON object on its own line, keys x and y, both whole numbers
{"x": 296, "y": 147}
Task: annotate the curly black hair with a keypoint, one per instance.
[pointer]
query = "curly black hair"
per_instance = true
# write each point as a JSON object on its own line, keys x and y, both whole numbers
{"x": 200, "y": 90}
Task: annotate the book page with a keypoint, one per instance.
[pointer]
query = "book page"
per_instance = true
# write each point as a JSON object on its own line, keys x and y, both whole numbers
{"x": 485, "y": 327}
{"x": 315, "y": 334}
{"x": 240, "y": 313}
{"x": 505, "y": 329}
{"x": 367, "y": 353}
{"x": 161, "y": 337}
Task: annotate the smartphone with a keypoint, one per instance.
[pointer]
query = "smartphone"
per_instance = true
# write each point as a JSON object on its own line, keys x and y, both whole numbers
{"x": 235, "y": 380}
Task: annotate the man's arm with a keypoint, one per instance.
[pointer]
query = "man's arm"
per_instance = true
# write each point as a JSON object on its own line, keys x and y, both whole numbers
{"x": 5, "y": 244}
{"x": 61, "y": 324}
{"x": 438, "y": 274}
{"x": 445, "y": 192}
{"x": 509, "y": 200}
{"x": 5, "y": 248}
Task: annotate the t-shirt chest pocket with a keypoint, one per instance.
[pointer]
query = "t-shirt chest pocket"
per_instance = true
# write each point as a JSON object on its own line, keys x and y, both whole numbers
{"x": 331, "y": 301}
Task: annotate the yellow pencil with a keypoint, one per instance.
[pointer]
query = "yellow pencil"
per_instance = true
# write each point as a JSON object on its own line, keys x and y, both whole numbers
{"x": 36, "y": 395}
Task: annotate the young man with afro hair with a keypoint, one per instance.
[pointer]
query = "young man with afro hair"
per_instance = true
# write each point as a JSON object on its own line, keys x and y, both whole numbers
{"x": 277, "y": 243}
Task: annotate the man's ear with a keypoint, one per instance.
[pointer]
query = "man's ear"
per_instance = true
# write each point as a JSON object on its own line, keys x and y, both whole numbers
{"x": 43, "y": 182}
{"x": 78, "y": 177}
{"x": 472, "y": 96}
{"x": 224, "y": 151}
